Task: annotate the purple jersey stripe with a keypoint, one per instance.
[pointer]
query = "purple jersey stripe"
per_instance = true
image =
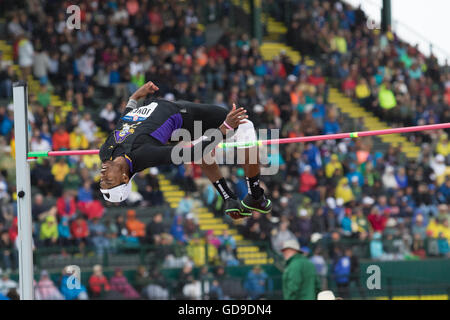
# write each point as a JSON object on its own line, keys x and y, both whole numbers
{"x": 164, "y": 132}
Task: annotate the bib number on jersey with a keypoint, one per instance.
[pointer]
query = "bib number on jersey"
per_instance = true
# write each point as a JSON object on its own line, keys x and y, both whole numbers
{"x": 140, "y": 114}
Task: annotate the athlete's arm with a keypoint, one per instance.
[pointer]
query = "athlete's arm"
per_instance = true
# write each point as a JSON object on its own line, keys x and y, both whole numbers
{"x": 142, "y": 92}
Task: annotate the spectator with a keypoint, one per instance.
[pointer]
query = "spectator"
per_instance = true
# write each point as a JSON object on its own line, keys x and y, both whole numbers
{"x": 300, "y": 280}
{"x": 46, "y": 289}
{"x": 342, "y": 273}
{"x": 134, "y": 226}
{"x": 257, "y": 283}
{"x": 71, "y": 290}
{"x": 66, "y": 205}
{"x": 119, "y": 283}
{"x": 8, "y": 252}
{"x": 227, "y": 256}
{"x": 97, "y": 232}
{"x": 49, "y": 231}
{"x": 6, "y": 284}
{"x": 98, "y": 283}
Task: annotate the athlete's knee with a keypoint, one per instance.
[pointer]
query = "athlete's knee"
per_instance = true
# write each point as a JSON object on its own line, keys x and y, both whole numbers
{"x": 246, "y": 132}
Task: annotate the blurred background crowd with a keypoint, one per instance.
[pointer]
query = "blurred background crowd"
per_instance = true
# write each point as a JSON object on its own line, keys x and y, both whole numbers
{"x": 338, "y": 199}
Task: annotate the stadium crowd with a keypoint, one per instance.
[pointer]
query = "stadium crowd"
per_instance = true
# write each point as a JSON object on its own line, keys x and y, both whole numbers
{"x": 328, "y": 193}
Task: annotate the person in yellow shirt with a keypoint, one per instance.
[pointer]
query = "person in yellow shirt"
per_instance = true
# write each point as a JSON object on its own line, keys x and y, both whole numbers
{"x": 60, "y": 169}
{"x": 435, "y": 228}
{"x": 77, "y": 140}
{"x": 443, "y": 147}
{"x": 196, "y": 251}
{"x": 331, "y": 166}
{"x": 344, "y": 191}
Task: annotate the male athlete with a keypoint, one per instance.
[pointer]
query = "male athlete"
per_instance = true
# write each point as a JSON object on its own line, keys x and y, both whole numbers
{"x": 140, "y": 141}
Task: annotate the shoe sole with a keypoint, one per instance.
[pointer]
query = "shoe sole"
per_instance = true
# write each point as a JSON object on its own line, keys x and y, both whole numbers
{"x": 256, "y": 209}
{"x": 238, "y": 211}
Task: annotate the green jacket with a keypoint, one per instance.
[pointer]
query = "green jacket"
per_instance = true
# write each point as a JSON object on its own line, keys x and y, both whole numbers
{"x": 300, "y": 280}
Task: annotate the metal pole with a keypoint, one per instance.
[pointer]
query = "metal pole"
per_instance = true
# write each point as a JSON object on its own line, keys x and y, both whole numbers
{"x": 25, "y": 242}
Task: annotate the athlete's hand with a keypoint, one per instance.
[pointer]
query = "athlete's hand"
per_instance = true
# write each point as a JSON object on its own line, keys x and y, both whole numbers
{"x": 146, "y": 89}
{"x": 236, "y": 117}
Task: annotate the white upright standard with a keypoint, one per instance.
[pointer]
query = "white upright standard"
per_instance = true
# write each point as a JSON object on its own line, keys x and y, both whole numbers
{"x": 25, "y": 243}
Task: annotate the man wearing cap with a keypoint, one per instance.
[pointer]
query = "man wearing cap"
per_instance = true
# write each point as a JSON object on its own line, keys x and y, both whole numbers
{"x": 300, "y": 280}
{"x": 141, "y": 137}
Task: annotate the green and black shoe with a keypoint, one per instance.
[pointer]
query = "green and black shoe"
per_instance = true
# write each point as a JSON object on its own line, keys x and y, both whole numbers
{"x": 262, "y": 205}
{"x": 233, "y": 208}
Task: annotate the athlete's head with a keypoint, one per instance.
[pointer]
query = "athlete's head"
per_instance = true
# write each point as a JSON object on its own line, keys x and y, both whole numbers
{"x": 115, "y": 181}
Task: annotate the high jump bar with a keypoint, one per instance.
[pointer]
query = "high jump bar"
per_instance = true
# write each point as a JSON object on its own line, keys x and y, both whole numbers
{"x": 38, "y": 154}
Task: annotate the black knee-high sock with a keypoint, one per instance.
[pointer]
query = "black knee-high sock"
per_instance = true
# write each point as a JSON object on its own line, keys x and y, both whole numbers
{"x": 222, "y": 187}
{"x": 253, "y": 187}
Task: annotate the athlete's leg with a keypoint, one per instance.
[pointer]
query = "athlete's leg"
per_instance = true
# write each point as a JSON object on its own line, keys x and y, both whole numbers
{"x": 210, "y": 117}
{"x": 255, "y": 200}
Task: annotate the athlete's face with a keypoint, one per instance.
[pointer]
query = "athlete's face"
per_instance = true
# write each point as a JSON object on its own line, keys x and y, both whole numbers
{"x": 111, "y": 175}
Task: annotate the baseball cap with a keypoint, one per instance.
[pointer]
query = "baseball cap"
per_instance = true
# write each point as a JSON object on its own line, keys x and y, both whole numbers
{"x": 119, "y": 193}
{"x": 326, "y": 295}
{"x": 291, "y": 244}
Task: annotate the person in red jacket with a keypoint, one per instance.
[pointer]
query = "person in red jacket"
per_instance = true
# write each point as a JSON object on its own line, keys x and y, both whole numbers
{"x": 308, "y": 183}
{"x": 98, "y": 283}
{"x": 80, "y": 231}
{"x": 66, "y": 205}
{"x": 61, "y": 139}
{"x": 377, "y": 219}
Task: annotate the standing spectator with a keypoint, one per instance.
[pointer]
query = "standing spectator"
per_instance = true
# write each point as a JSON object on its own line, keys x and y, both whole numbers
{"x": 257, "y": 283}
{"x": 300, "y": 280}
{"x": 119, "y": 283}
{"x": 321, "y": 266}
{"x": 341, "y": 273}
{"x": 98, "y": 283}
{"x": 154, "y": 229}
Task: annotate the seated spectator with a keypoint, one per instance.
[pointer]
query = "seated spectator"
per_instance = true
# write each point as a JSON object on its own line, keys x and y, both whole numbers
{"x": 80, "y": 231}
{"x": 88, "y": 127}
{"x": 49, "y": 231}
{"x": 46, "y": 289}
{"x": 196, "y": 251}
{"x": 177, "y": 230}
{"x": 281, "y": 235}
{"x": 98, "y": 283}
{"x": 151, "y": 286}
{"x": 64, "y": 236}
{"x": 227, "y": 239}
{"x": 134, "y": 226}
{"x": 212, "y": 239}
{"x": 78, "y": 140}
{"x": 66, "y": 205}
{"x": 71, "y": 288}
{"x": 97, "y": 232}
{"x": 86, "y": 204}
{"x": 154, "y": 229}
{"x": 7, "y": 284}
{"x": 119, "y": 283}
{"x": 61, "y": 139}
{"x": 192, "y": 290}
{"x": 72, "y": 180}
{"x": 108, "y": 117}
{"x": 231, "y": 287}
{"x": 8, "y": 252}
{"x": 227, "y": 256}
{"x": 60, "y": 169}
